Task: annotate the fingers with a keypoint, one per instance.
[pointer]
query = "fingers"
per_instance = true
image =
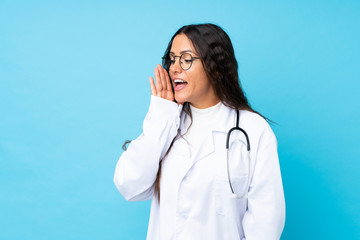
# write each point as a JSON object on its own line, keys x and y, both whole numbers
{"x": 158, "y": 83}
{"x": 152, "y": 86}
{"x": 162, "y": 86}
{"x": 162, "y": 77}
{"x": 168, "y": 82}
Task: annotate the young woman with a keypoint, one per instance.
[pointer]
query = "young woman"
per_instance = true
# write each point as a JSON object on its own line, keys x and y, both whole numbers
{"x": 204, "y": 182}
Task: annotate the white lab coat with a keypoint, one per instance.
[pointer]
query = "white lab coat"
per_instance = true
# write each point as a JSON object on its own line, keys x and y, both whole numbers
{"x": 195, "y": 200}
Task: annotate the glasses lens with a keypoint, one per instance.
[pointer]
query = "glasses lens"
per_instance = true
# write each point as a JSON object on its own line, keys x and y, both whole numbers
{"x": 186, "y": 61}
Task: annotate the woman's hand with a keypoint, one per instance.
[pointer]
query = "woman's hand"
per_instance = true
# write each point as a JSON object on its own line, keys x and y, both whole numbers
{"x": 162, "y": 87}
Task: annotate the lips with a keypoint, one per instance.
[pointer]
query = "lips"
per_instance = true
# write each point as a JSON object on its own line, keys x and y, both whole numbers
{"x": 179, "y": 84}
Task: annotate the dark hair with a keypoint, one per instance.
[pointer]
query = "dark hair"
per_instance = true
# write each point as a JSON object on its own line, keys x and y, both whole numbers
{"x": 215, "y": 49}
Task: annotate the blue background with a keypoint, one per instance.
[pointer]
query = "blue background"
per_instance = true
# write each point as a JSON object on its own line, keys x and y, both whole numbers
{"x": 74, "y": 86}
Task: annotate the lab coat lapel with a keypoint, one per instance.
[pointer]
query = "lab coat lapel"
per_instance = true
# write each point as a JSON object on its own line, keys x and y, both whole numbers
{"x": 223, "y": 122}
{"x": 207, "y": 147}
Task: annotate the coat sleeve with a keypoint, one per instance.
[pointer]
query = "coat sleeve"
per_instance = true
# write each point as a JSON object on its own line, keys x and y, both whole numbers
{"x": 137, "y": 167}
{"x": 265, "y": 216}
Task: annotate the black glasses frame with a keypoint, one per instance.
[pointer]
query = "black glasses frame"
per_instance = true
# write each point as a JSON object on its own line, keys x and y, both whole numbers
{"x": 169, "y": 62}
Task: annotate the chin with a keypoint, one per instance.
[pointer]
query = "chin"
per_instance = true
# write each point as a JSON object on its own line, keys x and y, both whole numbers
{"x": 181, "y": 99}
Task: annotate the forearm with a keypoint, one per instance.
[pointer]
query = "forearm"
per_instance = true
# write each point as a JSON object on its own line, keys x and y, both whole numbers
{"x": 137, "y": 167}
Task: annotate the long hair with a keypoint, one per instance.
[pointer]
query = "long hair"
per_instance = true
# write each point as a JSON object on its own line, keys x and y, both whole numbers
{"x": 215, "y": 49}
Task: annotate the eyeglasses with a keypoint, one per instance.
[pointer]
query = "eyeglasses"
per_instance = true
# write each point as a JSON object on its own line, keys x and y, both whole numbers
{"x": 186, "y": 60}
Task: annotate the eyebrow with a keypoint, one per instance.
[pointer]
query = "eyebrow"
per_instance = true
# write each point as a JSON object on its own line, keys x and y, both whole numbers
{"x": 184, "y": 51}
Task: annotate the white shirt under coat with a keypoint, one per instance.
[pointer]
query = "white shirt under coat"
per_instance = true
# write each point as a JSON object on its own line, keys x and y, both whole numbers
{"x": 201, "y": 124}
{"x": 196, "y": 200}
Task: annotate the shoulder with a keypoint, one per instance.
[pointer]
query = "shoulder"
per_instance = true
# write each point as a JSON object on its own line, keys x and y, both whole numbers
{"x": 253, "y": 120}
{"x": 258, "y": 128}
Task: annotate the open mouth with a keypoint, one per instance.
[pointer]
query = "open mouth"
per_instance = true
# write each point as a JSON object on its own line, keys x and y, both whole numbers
{"x": 179, "y": 84}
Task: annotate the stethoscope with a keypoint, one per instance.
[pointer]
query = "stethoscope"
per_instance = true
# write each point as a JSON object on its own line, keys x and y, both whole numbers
{"x": 234, "y": 195}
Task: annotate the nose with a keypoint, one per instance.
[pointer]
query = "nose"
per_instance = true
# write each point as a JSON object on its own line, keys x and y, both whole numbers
{"x": 175, "y": 67}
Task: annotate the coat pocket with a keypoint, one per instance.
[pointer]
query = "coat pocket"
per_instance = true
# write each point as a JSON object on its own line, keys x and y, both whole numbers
{"x": 226, "y": 205}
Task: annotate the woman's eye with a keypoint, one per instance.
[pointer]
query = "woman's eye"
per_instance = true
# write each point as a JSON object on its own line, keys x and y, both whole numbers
{"x": 172, "y": 61}
{"x": 188, "y": 60}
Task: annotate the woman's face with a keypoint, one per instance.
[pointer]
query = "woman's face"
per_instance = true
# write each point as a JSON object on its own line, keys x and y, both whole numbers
{"x": 191, "y": 85}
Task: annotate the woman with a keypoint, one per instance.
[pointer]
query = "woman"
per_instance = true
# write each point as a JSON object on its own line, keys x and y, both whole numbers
{"x": 180, "y": 160}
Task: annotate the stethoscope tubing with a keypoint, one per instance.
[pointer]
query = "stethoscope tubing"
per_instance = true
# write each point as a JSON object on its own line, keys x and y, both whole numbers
{"x": 248, "y": 154}
{"x": 240, "y": 129}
